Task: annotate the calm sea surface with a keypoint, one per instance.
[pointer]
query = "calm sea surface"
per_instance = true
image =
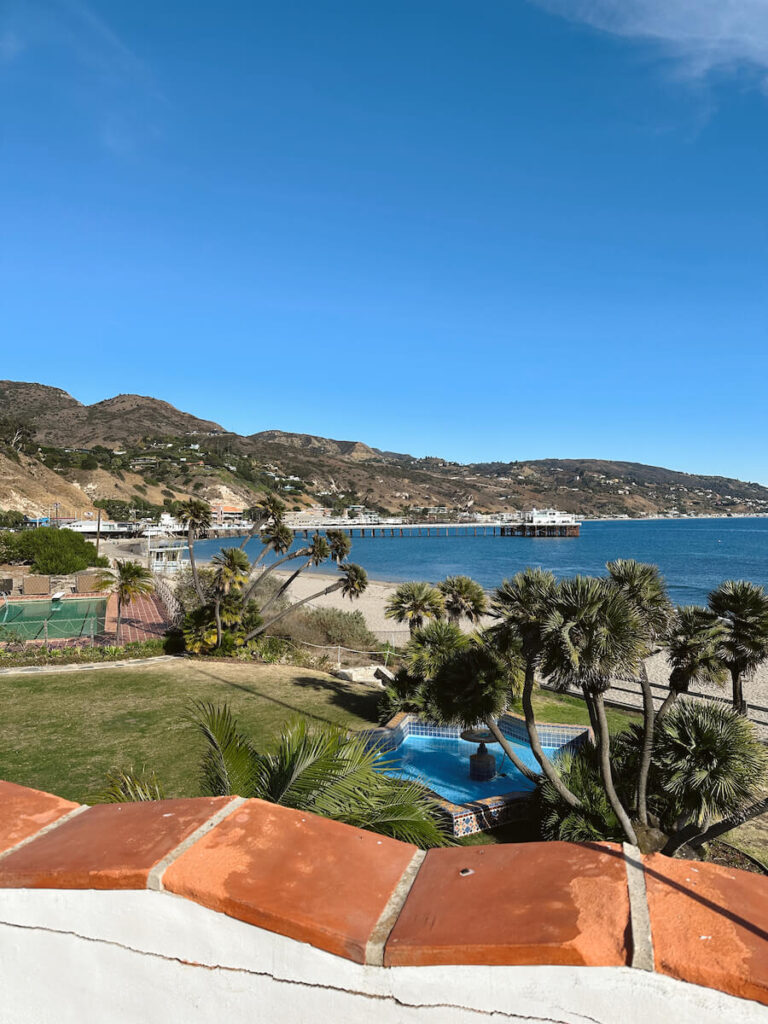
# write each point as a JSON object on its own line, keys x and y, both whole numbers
{"x": 694, "y": 555}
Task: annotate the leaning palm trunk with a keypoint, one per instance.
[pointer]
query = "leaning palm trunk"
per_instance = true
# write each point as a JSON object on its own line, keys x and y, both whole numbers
{"x": 667, "y": 703}
{"x": 533, "y": 738}
{"x": 732, "y": 821}
{"x": 193, "y": 563}
{"x": 119, "y": 623}
{"x": 279, "y": 593}
{"x": 499, "y": 736}
{"x": 645, "y": 757}
{"x": 292, "y": 608}
{"x": 605, "y": 767}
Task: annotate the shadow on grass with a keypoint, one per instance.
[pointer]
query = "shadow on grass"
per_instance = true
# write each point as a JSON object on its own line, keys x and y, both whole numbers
{"x": 362, "y": 705}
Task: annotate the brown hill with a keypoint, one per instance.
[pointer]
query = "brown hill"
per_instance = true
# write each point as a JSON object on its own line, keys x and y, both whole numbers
{"x": 236, "y": 467}
{"x": 59, "y": 419}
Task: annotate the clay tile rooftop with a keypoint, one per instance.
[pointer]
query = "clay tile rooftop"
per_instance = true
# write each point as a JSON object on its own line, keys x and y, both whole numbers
{"x": 276, "y": 914}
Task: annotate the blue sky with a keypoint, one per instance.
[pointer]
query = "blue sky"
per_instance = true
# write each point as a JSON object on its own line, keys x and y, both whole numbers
{"x": 485, "y": 229}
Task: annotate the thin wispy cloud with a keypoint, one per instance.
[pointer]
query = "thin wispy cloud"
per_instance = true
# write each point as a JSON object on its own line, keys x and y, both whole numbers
{"x": 701, "y": 36}
{"x": 91, "y": 60}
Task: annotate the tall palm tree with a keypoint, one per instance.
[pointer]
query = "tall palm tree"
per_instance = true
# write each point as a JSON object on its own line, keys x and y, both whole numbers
{"x": 231, "y": 568}
{"x": 710, "y": 762}
{"x": 132, "y": 580}
{"x": 322, "y": 770}
{"x": 196, "y": 516}
{"x": 415, "y": 602}
{"x": 643, "y": 586}
{"x": 693, "y": 641}
{"x": 522, "y": 606}
{"x": 352, "y": 583}
{"x": 592, "y": 634}
{"x": 742, "y": 608}
{"x": 476, "y": 685}
{"x": 464, "y": 599}
{"x": 316, "y": 552}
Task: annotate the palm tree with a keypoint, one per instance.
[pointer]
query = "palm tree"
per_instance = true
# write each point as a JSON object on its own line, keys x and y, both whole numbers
{"x": 592, "y": 634}
{"x": 643, "y": 586}
{"x": 476, "y": 685}
{"x": 269, "y": 509}
{"x": 431, "y": 646}
{"x": 693, "y": 640}
{"x": 132, "y": 580}
{"x": 196, "y": 515}
{"x": 231, "y": 568}
{"x": 710, "y": 763}
{"x": 340, "y": 545}
{"x": 415, "y": 602}
{"x": 352, "y": 583}
{"x": 315, "y": 553}
{"x": 464, "y": 599}
{"x": 522, "y": 606}
{"x": 322, "y": 770}
{"x": 742, "y": 608}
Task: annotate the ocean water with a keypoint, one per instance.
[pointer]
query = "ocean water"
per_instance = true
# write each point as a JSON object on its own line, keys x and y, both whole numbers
{"x": 443, "y": 765}
{"x": 694, "y": 555}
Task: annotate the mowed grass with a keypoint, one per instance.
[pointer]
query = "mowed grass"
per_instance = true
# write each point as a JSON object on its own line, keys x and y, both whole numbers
{"x": 63, "y": 731}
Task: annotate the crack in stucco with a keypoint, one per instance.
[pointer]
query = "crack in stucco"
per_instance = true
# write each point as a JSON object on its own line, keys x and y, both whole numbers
{"x": 390, "y": 998}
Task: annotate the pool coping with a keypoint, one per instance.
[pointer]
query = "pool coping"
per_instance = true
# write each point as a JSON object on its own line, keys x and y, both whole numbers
{"x": 487, "y": 812}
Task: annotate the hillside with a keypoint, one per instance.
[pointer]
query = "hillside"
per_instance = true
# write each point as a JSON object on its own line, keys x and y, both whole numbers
{"x": 152, "y": 453}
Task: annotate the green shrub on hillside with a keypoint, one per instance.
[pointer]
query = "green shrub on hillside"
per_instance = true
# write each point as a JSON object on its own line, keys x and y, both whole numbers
{"x": 50, "y": 550}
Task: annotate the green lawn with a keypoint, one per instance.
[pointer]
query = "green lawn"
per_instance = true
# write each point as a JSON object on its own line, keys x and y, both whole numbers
{"x": 62, "y": 731}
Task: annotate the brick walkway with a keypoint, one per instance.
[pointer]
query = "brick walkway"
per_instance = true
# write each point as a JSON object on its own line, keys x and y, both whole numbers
{"x": 143, "y": 619}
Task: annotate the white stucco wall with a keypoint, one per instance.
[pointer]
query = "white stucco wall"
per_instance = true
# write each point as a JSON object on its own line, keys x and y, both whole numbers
{"x": 75, "y": 957}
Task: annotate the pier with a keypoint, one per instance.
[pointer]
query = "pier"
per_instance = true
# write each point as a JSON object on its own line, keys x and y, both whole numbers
{"x": 485, "y": 529}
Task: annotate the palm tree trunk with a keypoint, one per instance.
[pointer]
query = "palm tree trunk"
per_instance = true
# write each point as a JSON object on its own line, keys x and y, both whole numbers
{"x": 666, "y": 704}
{"x": 193, "y": 563}
{"x": 279, "y": 593}
{"x": 604, "y": 743}
{"x": 217, "y": 614}
{"x": 533, "y": 738}
{"x": 270, "y": 569}
{"x": 292, "y": 608}
{"x": 119, "y": 623}
{"x": 738, "y": 692}
{"x": 645, "y": 757}
{"x": 732, "y": 821}
{"x": 524, "y": 770}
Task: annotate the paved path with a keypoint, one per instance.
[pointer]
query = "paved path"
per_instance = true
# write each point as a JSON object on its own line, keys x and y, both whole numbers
{"x": 143, "y": 619}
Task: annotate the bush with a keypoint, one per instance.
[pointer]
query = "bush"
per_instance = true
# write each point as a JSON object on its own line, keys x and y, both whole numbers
{"x": 56, "y": 551}
{"x": 329, "y": 627}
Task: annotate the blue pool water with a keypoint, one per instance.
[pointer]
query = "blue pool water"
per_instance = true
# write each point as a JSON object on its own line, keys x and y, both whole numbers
{"x": 695, "y": 555}
{"x": 443, "y": 765}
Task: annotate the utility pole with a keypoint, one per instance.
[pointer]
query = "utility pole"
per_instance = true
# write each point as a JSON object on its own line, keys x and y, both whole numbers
{"x": 98, "y": 533}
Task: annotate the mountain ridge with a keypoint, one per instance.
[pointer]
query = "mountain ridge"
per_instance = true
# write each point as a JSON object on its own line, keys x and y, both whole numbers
{"x": 327, "y": 470}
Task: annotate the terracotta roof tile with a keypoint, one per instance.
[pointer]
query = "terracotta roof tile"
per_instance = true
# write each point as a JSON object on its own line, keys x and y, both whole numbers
{"x": 709, "y": 925}
{"x": 23, "y": 812}
{"x": 532, "y": 903}
{"x": 306, "y": 877}
{"x": 110, "y": 846}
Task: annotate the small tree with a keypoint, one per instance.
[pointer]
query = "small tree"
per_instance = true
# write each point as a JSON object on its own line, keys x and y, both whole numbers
{"x": 464, "y": 599}
{"x": 693, "y": 640}
{"x": 742, "y": 609}
{"x": 414, "y": 603}
{"x": 231, "y": 568}
{"x": 132, "y": 580}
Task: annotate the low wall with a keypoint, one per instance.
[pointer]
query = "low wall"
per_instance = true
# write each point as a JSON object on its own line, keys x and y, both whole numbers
{"x": 228, "y": 909}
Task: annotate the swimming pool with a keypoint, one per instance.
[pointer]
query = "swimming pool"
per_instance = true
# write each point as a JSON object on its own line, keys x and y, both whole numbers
{"x": 442, "y": 764}
{"x": 52, "y": 620}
